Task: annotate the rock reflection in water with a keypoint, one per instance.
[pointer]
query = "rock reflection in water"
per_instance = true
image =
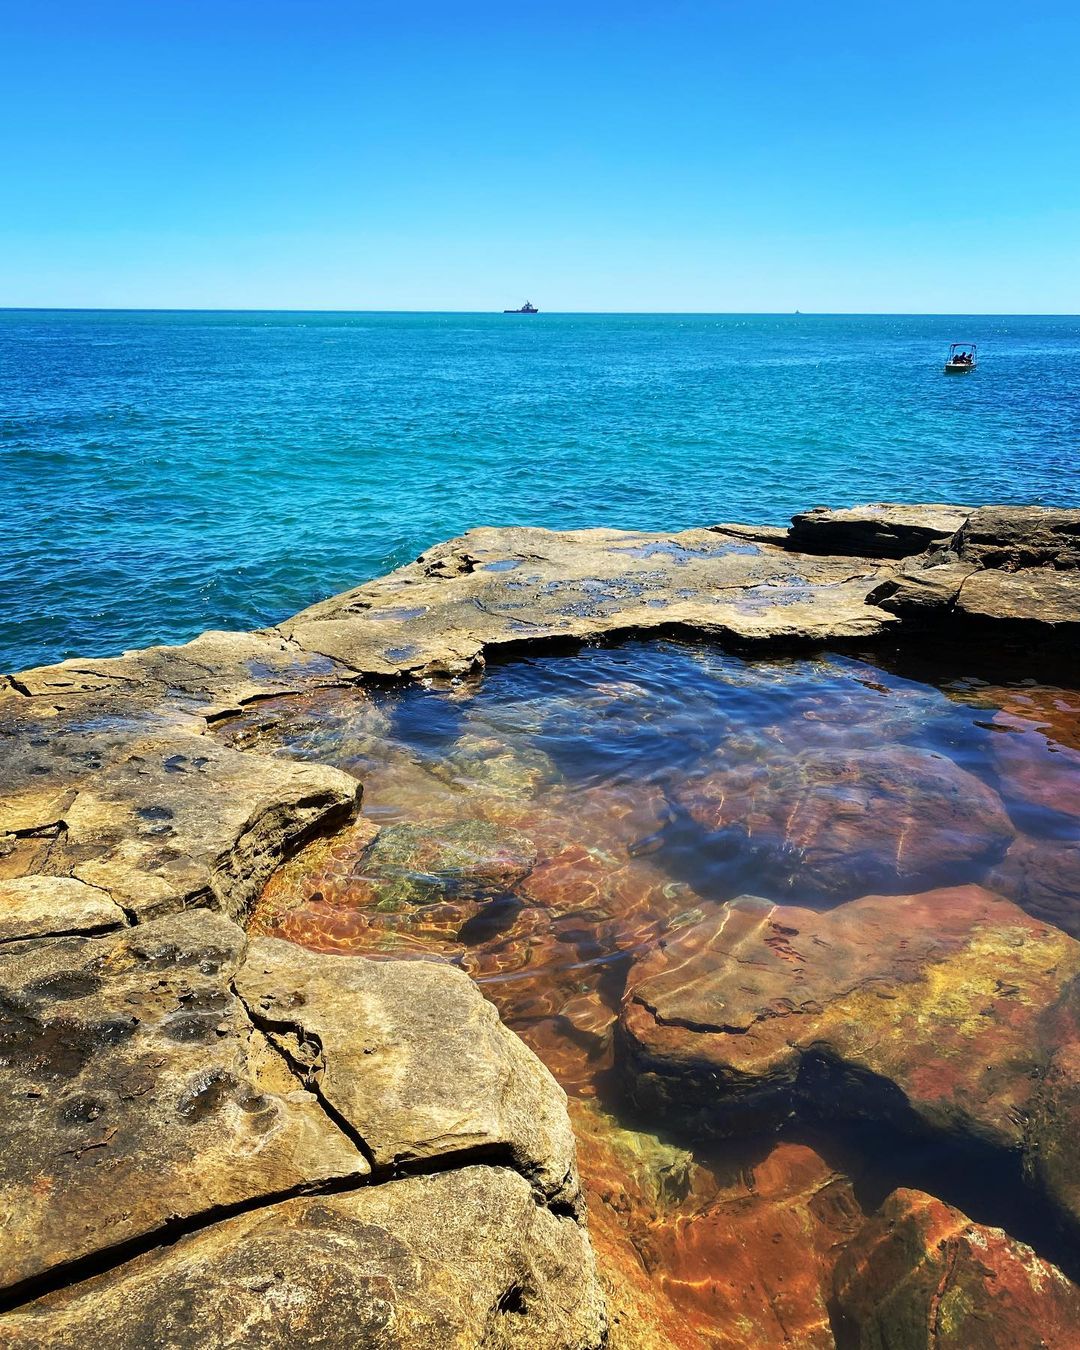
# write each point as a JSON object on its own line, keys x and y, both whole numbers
{"x": 550, "y": 825}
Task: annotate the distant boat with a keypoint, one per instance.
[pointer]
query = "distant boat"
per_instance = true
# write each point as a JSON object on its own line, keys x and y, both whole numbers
{"x": 961, "y": 359}
{"x": 527, "y": 308}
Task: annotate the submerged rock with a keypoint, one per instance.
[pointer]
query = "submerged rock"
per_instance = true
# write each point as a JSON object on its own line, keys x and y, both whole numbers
{"x": 1043, "y": 877}
{"x": 950, "y": 1013}
{"x": 462, "y": 1260}
{"x": 837, "y": 823}
{"x": 922, "y": 1274}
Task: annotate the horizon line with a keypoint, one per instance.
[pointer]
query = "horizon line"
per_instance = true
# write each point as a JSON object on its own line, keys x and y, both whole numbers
{"x": 602, "y": 313}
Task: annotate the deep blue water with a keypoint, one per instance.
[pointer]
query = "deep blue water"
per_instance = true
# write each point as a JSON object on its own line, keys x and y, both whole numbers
{"x": 167, "y": 472}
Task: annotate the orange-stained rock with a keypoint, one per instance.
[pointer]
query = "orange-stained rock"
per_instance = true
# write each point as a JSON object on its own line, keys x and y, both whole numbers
{"x": 839, "y": 823}
{"x": 1054, "y": 712}
{"x": 690, "y": 1259}
{"x": 940, "y": 1012}
{"x": 921, "y": 1274}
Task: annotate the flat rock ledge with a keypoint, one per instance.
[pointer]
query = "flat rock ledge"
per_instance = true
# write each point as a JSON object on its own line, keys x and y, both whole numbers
{"x": 216, "y": 1140}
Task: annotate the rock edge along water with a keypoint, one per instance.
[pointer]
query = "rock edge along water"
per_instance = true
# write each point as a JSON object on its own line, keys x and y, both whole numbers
{"x": 153, "y": 1056}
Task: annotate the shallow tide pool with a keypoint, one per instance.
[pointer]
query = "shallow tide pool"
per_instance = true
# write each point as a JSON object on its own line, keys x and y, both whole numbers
{"x": 552, "y": 826}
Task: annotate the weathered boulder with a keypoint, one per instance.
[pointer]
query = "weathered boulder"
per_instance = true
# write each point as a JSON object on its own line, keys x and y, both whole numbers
{"x": 137, "y": 1093}
{"x": 876, "y": 530}
{"x": 1014, "y": 537}
{"x": 920, "y": 1273}
{"x": 184, "y": 820}
{"x": 462, "y": 1260}
{"x": 941, "y": 1012}
{"x": 414, "y": 1059}
{"x": 837, "y": 823}
{"x": 43, "y": 906}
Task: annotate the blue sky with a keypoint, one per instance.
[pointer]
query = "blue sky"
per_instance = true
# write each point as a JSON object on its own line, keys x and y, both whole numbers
{"x": 589, "y": 156}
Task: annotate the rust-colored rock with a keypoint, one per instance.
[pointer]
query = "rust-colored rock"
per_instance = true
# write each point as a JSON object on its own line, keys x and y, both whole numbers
{"x": 839, "y": 823}
{"x": 694, "y": 1259}
{"x": 921, "y": 1274}
{"x": 949, "y": 1012}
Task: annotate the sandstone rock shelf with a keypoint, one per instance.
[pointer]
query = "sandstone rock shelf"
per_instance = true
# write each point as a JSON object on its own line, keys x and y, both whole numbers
{"x": 369, "y": 1133}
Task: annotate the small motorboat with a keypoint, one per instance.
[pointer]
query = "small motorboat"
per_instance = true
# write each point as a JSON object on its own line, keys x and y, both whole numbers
{"x": 961, "y": 359}
{"x": 527, "y": 308}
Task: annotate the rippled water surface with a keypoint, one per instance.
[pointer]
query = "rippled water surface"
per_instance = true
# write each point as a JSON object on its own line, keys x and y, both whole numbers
{"x": 545, "y": 827}
{"x": 165, "y": 473}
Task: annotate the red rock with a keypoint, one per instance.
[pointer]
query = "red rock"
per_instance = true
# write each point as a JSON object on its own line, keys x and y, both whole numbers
{"x": 1043, "y": 877}
{"x": 728, "y": 1264}
{"x": 1037, "y": 769}
{"x": 922, "y": 1274}
{"x": 837, "y": 824}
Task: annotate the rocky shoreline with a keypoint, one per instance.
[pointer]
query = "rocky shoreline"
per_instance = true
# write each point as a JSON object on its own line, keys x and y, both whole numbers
{"x": 223, "y": 1139}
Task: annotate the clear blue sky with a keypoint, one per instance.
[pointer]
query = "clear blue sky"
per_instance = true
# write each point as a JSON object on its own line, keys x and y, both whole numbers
{"x": 589, "y": 156}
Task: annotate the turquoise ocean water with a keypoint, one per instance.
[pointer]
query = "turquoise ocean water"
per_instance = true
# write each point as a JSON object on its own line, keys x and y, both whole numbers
{"x": 169, "y": 472}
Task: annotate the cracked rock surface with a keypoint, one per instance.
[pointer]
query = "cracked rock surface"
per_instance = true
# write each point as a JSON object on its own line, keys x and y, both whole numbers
{"x": 455, "y": 1261}
{"x": 414, "y": 1059}
{"x": 137, "y": 1093}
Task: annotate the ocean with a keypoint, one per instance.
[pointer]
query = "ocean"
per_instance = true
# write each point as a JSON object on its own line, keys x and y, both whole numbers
{"x": 167, "y": 472}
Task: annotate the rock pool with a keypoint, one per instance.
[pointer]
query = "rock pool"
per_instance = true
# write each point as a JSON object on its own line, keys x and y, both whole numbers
{"x": 797, "y": 937}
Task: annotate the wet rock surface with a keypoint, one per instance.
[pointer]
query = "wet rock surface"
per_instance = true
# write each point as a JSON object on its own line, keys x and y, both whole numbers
{"x": 920, "y": 1273}
{"x": 172, "y": 1098}
{"x": 949, "y": 1012}
{"x": 842, "y": 823}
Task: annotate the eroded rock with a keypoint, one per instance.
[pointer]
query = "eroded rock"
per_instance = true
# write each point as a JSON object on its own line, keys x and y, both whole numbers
{"x": 876, "y": 530}
{"x": 137, "y": 1093}
{"x": 415, "y": 1059}
{"x": 1014, "y": 537}
{"x": 185, "y": 820}
{"x": 463, "y": 1260}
